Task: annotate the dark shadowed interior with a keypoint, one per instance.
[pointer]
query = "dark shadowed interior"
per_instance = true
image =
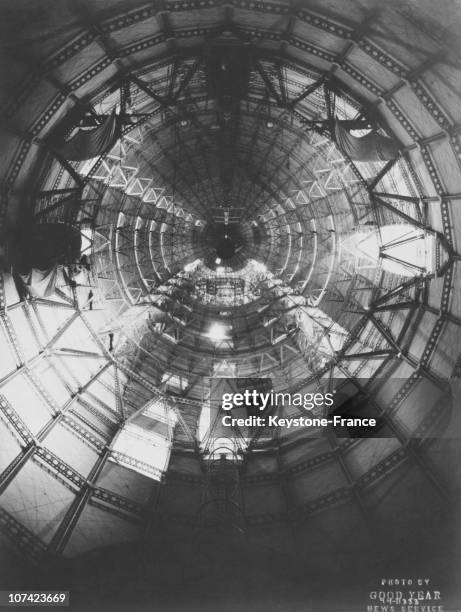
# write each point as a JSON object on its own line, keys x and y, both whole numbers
{"x": 265, "y": 192}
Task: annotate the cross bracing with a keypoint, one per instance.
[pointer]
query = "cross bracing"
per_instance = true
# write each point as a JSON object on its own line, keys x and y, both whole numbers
{"x": 90, "y": 362}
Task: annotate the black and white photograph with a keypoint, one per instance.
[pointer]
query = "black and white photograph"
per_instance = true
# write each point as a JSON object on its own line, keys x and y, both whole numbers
{"x": 230, "y": 305}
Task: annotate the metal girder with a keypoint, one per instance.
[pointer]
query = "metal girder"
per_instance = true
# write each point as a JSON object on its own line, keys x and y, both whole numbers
{"x": 415, "y": 282}
{"x": 414, "y": 363}
{"x": 413, "y": 267}
{"x": 372, "y": 184}
{"x": 15, "y": 466}
{"x": 417, "y": 223}
{"x": 411, "y": 447}
{"x": 307, "y": 92}
{"x": 52, "y": 192}
{"x": 187, "y": 78}
{"x": 397, "y": 196}
{"x": 376, "y": 354}
{"x": 341, "y": 459}
{"x": 66, "y": 527}
{"x": 44, "y": 145}
{"x": 267, "y": 81}
{"x": 18, "y": 462}
{"x": 45, "y": 73}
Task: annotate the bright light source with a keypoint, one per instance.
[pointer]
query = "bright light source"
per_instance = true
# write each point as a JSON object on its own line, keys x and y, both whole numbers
{"x": 217, "y": 332}
{"x": 190, "y": 267}
{"x": 217, "y": 260}
{"x": 258, "y": 266}
{"x": 269, "y": 124}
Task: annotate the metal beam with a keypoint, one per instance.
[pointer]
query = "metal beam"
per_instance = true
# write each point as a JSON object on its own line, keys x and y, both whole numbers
{"x": 66, "y": 527}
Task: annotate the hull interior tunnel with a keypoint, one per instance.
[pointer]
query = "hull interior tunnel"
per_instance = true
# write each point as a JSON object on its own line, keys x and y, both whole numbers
{"x": 230, "y": 304}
